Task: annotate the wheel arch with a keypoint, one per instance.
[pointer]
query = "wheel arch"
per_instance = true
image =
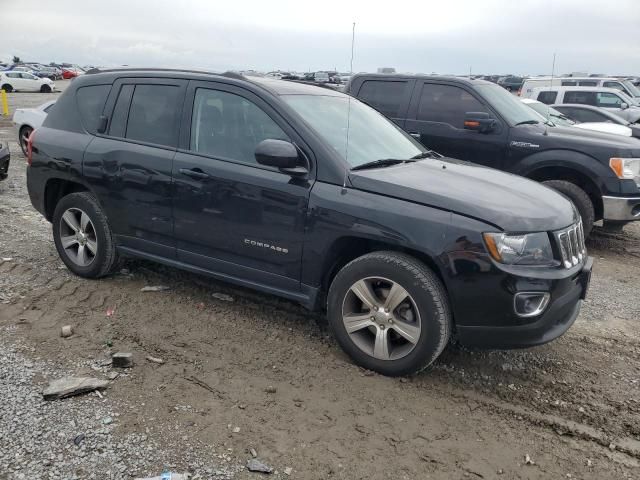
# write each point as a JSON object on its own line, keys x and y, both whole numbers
{"x": 345, "y": 249}
{"x": 575, "y": 176}
{"x": 57, "y": 188}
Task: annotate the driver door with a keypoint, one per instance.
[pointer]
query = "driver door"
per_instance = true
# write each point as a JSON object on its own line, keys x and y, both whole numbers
{"x": 230, "y": 214}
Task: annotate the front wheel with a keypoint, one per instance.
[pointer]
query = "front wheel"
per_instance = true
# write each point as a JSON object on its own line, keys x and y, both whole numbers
{"x": 82, "y": 236}
{"x": 579, "y": 198}
{"x": 24, "y": 134}
{"x": 45, "y": 89}
{"x": 389, "y": 312}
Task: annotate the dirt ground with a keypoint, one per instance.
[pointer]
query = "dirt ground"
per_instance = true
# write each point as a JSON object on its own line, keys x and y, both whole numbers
{"x": 572, "y": 406}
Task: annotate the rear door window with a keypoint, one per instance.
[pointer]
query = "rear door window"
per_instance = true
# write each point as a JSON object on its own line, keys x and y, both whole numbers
{"x": 385, "y": 96}
{"x": 588, "y": 83}
{"x": 616, "y": 85}
{"x": 569, "y": 83}
{"x": 547, "y": 97}
{"x": 447, "y": 104}
{"x": 90, "y": 102}
{"x": 583, "y": 98}
{"x": 153, "y": 114}
{"x": 118, "y": 123}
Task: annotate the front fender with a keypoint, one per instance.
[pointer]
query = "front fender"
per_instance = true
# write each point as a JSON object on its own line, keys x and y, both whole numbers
{"x": 599, "y": 174}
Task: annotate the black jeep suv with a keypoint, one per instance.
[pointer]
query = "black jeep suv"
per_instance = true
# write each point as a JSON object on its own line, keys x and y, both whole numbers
{"x": 479, "y": 122}
{"x": 306, "y": 193}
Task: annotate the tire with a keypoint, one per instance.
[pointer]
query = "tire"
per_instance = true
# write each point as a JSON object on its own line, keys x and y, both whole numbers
{"x": 23, "y": 137}
{"x": 579, "y": 198}
{"x": 45, "y": 89}
{"x": 426, "y": 302}
{"x": 7, "y": 88}
{"x": 104, "y": 259}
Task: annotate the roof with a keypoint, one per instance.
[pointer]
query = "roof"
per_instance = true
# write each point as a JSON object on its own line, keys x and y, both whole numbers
{"x": 275, "y": 86}
{"x": 420, "y": 76}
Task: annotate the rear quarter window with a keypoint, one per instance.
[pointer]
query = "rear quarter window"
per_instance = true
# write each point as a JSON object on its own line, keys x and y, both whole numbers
{"x": 90, "y": 102}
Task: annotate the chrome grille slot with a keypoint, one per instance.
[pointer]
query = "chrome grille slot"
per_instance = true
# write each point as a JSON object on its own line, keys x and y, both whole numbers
{"x": 571, "y": 245}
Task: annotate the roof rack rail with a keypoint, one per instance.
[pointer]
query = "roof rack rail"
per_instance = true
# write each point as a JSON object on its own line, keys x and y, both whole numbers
{"x": 330, "y": 86}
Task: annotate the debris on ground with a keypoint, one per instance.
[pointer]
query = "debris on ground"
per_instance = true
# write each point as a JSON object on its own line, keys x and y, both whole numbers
{"x": 78, "y": 439}
{"x": 255, "y": 465}
{"x": 528, "y": 461}
{"x": 288, "y": 470}
{"x": 253, "y": 452}
{"x": 270, "y": 389}
{"x": 222, "y": 296}
{"x": 70, "y": 386}
{"x": 155, "y": 288}
{"x": 66, "y": 331}
{"x": 168, "y": 476}
{"x": 107, "y": 420}
{"x": 122, "y": 360}
{"x": 111, "y": 311}
{"x": 157, "y": 360}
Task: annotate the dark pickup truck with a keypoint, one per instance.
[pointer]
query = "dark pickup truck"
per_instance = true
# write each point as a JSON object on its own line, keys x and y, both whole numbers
{"x": 309, "y": 194}
{"x": 479, "y": 122}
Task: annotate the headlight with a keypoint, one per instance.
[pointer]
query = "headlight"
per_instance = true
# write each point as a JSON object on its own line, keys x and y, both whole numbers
{"x": 527, "y": 249}
{"x": 626, "y": 168}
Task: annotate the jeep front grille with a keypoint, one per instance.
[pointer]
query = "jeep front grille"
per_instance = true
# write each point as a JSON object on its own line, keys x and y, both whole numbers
{"x": 571, "y": 245}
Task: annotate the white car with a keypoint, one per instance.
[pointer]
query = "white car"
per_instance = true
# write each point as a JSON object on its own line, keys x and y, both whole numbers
{"x": 607, "y": 82}
{"x": 27, "y": 120}
{"x": 560, "y": 119}
{"x": 12, "y": 81}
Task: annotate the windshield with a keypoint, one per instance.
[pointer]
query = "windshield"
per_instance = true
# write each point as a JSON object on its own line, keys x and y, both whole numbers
{"x": 558, "y": 118}
{"x": 371, "y": 136}
{"x": 507, "y": 105}
{"x": 632, "y": 88}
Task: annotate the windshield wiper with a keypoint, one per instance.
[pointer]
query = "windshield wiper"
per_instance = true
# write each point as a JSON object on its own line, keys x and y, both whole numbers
{"x": 427, "y": 154}
{"x": 383, "y": 162}
{"x": 528, "y": 122}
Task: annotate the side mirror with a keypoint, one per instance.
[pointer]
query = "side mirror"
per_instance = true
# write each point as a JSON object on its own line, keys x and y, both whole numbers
{"x": 280, "y": 154}
{"x": 479, "y": 122}
{"x": 624, "y": 105}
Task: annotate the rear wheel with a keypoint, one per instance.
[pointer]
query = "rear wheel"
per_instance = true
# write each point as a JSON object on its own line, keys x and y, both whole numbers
{"x": 7, "y": 88}
{"x": 23, "y": 137}
{"x": 579, "y": 198}
{"x": 82, "y": 236}
{"x": 389, "y": 312}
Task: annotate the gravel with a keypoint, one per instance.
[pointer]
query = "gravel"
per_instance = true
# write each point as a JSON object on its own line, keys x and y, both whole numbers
{"x": 69, "y": 438}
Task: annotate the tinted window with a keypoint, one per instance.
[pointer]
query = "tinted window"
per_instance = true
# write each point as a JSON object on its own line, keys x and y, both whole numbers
{"x": 588, "y": 83}
{"x": 584, "y": 98}
{"x": 385, "y": 97}
{"x": 446, "y": 104}
{"x": 229, "y": 126}
{"x": 609, "y": 100}
{"x": 28, "y": 76}
{"x": 616, "y": 85}
{"x": 90, "y": 104}
{"x": 153, "y": 114}
{"x": 547, "y": 97}
{"x": 583, "y": 115}
{"x": 118, "y": 123}
{"x": 13, "y": 75}
{"x": 569, "y": 83}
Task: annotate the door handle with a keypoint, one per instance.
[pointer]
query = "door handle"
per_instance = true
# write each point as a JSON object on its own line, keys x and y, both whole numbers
{"x": 194, "y": 173}
{"x": 414, "y": 134}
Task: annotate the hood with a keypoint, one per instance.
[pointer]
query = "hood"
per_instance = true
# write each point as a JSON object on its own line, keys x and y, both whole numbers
{"x": 507, "y": 201}
{"x": 604, "y": 127}
{"x": 590, "y": 142}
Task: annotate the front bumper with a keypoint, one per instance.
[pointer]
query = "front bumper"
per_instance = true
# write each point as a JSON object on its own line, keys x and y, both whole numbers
{"x": 5, "y": 156}
{"x": 625, "y": 209}
{"x": 562, "y": 311}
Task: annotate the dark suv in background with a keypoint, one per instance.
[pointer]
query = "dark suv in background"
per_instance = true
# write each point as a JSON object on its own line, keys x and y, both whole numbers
{"x": 479, "y": 122}
{"x": 306, "y": 193}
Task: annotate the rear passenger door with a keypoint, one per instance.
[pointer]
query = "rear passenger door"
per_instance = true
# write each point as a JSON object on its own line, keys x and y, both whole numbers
{"x": 129, "y": 165}
{"x": 233, "y": 216}
{"x": 436, "y": 118}
{"x": 389, "y": 97}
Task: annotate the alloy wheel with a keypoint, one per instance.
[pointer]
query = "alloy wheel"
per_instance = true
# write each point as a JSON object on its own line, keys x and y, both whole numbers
{"x": 381, "y": 318}
{"x": 78, "y": 237}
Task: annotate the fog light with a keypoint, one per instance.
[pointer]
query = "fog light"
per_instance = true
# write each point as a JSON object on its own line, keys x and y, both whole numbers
{"x": 530, "y": 304}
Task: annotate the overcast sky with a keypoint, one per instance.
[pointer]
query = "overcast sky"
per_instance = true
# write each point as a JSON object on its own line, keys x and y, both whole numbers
{"x": 443, "y": 36}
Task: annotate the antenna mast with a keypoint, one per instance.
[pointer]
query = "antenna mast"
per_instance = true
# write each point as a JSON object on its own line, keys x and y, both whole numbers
{"x": 346, "y": 154}
{"x": 553, "y": 71}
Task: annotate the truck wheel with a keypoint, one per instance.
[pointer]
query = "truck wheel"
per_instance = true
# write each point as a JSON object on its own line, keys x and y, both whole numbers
{"x": 82, "y": 236}
{"x": 579, "y": 198}
{"x": 389, "y": 312}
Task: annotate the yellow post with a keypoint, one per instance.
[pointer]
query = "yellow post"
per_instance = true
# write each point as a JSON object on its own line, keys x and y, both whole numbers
{"x": 5, "y": 104}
